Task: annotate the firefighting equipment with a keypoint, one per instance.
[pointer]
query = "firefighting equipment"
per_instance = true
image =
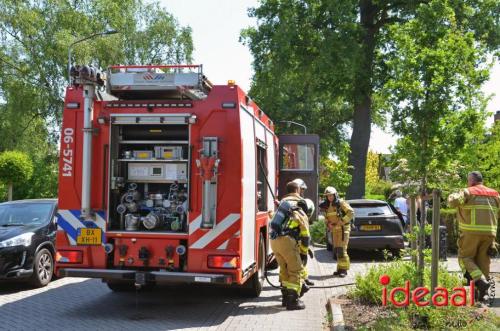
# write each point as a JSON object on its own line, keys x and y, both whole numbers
{"x": 281, "y": 218}
{"x": 330, "y": 190}
{"x": 309, "y": 207}
{"x": 286, "y": 251}
{"x": 338, "y": 216}
{"x": 477, "y": 213}
{"x": 473, "y": 254}
{"x": 302, "y": 185}
{"x": 292, "y": 301}
{"x": 493, "y": 250}
{"x": 482, "y": 286}
{"x": 305, "y": 274}
{"x": 478, "y": 209}
{"x": 285, "y": 245}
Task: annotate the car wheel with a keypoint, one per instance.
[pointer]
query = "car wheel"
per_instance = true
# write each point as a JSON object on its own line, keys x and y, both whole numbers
{"x": 253, "y": 286}
{"x": 396, "y": 253}
{"x": 43, "y": 268}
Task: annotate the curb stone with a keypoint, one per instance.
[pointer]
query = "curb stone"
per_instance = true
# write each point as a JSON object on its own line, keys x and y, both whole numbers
{"x": 335, "y": 309}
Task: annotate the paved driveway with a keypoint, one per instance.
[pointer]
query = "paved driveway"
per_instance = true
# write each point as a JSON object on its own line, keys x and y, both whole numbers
{"x": 85, "y": 304}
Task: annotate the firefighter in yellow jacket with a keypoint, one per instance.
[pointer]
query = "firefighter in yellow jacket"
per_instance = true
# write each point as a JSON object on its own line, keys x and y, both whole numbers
{"x": 289, "y": 225}
{"x": 338, "y": 215}
{"x": 478, "y": 211}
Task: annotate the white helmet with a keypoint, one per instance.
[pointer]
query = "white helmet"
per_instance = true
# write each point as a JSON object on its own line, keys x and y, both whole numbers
{"x": 302, "y": 185}
{"x": 331, "y": 190}
{"x": 310, "y": 207}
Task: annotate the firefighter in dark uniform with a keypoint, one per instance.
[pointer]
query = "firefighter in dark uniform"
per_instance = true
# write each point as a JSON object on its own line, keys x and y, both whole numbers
{"x": 478, "y": 211}
{"x": 338, "y": 215}
{"x": 288, "y": 226}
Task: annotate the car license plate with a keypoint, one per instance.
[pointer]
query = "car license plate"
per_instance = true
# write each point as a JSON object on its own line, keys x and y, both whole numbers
{"x": 371, "y": 227}
{"x": 89, "y": 236}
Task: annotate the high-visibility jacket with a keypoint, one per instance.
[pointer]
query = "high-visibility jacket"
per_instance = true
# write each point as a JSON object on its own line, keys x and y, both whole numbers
{"x": 478, "y": 209}
{"x": 299, "y": 224}
{"x": 334, "y": 217}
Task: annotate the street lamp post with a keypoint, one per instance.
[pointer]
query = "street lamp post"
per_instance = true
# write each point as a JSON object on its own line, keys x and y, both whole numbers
{"x": 292, "y": 122}
{"x": 109, "y": 32}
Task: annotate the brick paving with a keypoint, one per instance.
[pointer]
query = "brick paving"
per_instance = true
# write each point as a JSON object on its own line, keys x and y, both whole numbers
{"x": 84, "y": 304}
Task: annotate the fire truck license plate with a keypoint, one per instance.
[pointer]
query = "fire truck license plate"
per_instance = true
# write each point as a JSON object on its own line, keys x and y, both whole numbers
{"x": 89, "y": 236}
{"x": 370, "y": 227}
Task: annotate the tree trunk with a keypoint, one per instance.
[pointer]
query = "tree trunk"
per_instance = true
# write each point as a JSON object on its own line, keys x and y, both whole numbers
{"x": 9, "y": 196}
{"x": 360, "y": 140}
{"x": 362, "y": 120}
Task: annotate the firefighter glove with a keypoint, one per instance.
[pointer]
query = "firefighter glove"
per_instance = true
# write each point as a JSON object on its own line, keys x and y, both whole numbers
{"x": 493, "y": 250}
{"x": 310, "y": 253}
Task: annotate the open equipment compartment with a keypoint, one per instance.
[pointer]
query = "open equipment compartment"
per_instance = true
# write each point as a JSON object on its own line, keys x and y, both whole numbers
{"x": 149, "y": 162}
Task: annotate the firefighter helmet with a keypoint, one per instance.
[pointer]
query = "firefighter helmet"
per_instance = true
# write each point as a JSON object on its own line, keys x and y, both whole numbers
{"x": 302, "y": 185}
{"x": 310, "y": 207}
{"x": 330, "y": 190}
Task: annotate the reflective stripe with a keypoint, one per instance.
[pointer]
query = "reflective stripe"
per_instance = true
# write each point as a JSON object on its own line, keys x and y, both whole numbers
{"x": 482, "y": 207}
{"x": 476, "y": 274}
{"x": 482, "y": 228}
{"x": 331, "y": 214}
{"x": 292, "y": 286}
{"x": 473, "y": 216}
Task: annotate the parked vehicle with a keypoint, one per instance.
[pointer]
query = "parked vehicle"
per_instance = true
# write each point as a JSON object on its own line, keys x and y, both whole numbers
{"x": 376, "y": 225}
{"x": 27, "y": 240}
{"x": 166, "y": 178}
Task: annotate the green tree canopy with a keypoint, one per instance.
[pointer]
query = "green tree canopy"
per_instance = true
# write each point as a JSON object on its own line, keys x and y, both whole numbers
{"x": 15, "y": 168}
{"x": 323, "y": 62}
{"x": 34, "y": 41}
{"x": 436, "y": 68}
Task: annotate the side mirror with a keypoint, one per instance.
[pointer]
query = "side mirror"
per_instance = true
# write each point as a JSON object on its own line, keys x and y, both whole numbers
{"x": 54, "y": 220}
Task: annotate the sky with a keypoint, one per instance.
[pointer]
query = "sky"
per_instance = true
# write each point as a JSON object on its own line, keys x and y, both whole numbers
{"x": 216, "y": 29}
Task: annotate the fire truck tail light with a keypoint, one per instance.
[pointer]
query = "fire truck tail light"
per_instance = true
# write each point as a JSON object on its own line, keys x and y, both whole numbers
{"x": 69, "y": 256}
{"x": 223, "y": 261}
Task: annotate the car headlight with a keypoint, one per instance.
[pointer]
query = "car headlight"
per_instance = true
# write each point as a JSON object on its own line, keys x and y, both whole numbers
{"x": 21, "y": 240}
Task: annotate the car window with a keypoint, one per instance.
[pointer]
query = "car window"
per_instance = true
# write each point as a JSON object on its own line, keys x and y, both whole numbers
{"x": 371, "y": 210}
{"x": 24, "y": 213}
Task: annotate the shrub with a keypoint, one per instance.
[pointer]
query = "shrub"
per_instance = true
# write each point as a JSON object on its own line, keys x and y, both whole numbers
{"x": 318, "y": 231}
{"x": 369, "y": 290}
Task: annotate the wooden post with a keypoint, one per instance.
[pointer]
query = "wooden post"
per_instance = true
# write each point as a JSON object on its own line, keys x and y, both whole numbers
{"x": 413, "y": 222}
{"x": 435, "y": 239}
{"x": 421, "y": 241}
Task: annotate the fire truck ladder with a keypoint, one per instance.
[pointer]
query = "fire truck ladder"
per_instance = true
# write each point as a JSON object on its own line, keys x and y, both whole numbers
{"x": 158, "y": 82}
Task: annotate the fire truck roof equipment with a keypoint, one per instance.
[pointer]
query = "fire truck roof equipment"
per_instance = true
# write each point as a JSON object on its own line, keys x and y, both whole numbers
{"x": 158, "y": 82}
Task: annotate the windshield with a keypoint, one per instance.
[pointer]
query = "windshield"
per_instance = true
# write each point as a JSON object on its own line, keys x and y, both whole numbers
{"x": 24, "y": 213}
{"x": 372, "y": 210}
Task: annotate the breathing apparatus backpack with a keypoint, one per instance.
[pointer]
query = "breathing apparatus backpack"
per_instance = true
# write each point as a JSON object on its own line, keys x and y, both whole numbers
{"x": 279, "y": 223}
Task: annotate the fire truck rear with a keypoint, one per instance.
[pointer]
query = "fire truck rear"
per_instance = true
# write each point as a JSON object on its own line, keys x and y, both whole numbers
{"x": 164, "y": 178}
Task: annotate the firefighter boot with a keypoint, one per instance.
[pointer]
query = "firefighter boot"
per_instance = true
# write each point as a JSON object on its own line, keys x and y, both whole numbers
{"x": 283, "y": 297}
{"x": 482, "y": 286}
{"x": 308, "y": 282}
{"x": 303, "y": 290}
{"x": 340, "y": 273}
{"x": 293, "y": 302}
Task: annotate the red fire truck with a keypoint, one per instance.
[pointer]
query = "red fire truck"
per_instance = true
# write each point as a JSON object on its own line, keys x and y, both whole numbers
{"x": 165, "y": 178}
